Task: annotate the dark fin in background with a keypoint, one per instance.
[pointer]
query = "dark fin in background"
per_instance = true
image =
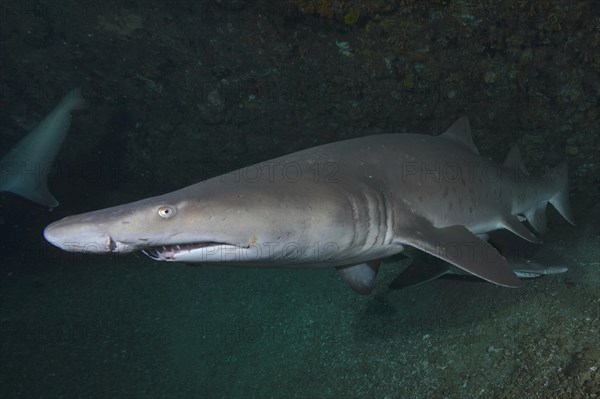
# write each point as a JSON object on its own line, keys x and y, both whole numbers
{"x": 422, "y": 269}
{"x": 361, "y": 277}
{"x": 527, "y": 256}
{"x": 511, "y": 246}
{"x": 460, "y": 131}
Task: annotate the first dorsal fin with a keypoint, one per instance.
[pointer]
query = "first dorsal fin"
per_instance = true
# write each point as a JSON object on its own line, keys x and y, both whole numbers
{"x": 514, "y": 160}
{"x": 460, "y": 132}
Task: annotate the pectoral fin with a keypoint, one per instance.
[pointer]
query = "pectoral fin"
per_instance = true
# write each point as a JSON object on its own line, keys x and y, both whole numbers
{"x": 458, "y": 246}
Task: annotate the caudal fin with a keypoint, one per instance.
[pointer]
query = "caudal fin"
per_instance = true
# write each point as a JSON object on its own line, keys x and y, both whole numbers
{"x": 559, "y": 180}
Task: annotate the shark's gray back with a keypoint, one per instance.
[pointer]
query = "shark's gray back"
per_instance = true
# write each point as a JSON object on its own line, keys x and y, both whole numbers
{"x": 432, "y": 176}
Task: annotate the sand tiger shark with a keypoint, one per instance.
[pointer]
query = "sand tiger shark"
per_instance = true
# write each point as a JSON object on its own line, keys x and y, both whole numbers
{"x": 24, "y": 170}
{"x": 346, "y": 204}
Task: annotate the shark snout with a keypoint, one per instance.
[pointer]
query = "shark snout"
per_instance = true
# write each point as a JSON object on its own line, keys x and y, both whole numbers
{"x": 71, "y": 236}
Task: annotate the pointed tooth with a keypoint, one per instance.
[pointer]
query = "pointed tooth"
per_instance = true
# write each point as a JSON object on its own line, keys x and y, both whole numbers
{"x": 149, "y": 253}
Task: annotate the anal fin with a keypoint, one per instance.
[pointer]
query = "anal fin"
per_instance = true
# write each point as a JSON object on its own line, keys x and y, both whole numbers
{"x": 513, "y": 224}
{"x": 536, "y": 217}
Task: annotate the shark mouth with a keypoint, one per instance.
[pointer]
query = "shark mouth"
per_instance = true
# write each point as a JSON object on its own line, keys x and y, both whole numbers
{"x": 174, "y": 252}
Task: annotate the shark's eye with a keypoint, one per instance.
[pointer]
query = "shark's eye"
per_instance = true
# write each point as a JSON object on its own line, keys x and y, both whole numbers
{"x": 166, "y": 211}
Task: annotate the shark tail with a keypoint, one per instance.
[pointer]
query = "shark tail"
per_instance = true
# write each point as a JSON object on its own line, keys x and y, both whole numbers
{"x": 73, "y": 100}
{"x": 558, "y": 180}
{"x": 24, "y": 169}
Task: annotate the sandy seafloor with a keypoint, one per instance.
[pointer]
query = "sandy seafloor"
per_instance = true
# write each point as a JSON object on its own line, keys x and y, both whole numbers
{"x": 131, "y": 327}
